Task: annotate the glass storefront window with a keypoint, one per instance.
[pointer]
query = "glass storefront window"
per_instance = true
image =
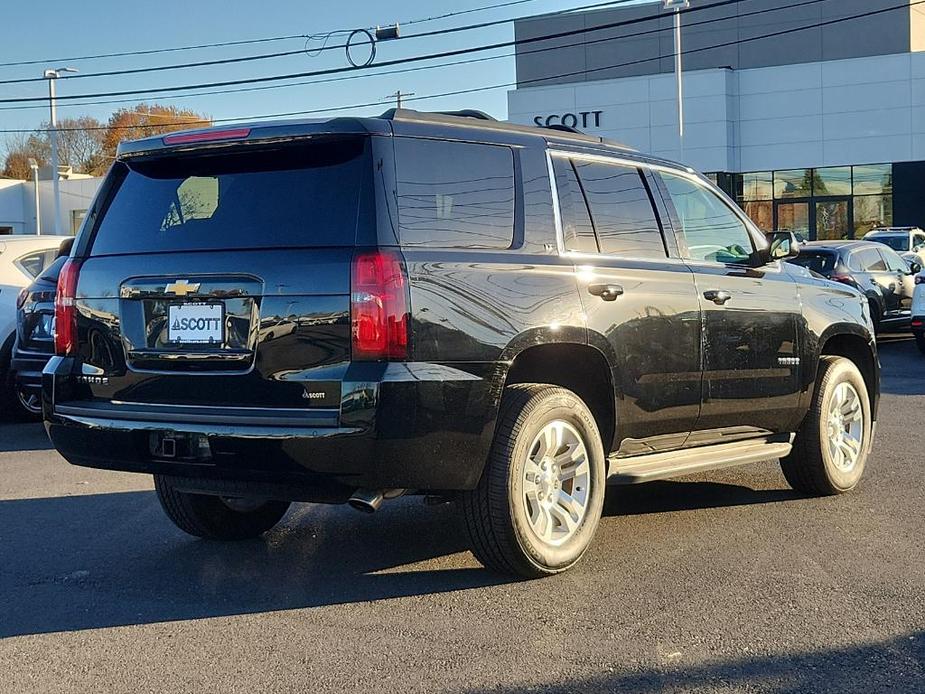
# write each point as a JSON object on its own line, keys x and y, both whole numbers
{"x": 835, "y": 180}
{"x": 755, "y": 186}
{"x": 796, "y": 183}
{"x": 876, "y": 179}
{"x": 870, "y": 212}
{"x": 832, "y": 220}
{"x": 761, "y": 213}
{"x": 794, "y": 216}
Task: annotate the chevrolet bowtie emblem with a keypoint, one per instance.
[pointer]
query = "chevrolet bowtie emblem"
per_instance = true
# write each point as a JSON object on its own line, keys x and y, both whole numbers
{"x": 182, "y": 287}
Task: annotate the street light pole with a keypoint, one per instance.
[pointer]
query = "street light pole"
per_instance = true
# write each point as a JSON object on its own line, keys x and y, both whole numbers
{"x": 52, "y": 76}
{"x": 677, "y": 6}
{"x": 34, "y": 165}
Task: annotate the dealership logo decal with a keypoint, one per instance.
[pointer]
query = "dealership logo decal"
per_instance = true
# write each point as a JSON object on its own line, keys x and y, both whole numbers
{"x": 582, "y": 119}
{"x": 196, "y": 324}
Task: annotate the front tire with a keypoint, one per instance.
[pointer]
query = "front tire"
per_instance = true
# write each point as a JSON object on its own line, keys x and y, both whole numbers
{"x": 833, "y": 443}
{"x": 216, "y": 517}
{"x": 540, "y": 497}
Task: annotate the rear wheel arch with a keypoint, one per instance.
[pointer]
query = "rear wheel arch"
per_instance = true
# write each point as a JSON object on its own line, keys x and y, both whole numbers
{"x": 580, "y": 368}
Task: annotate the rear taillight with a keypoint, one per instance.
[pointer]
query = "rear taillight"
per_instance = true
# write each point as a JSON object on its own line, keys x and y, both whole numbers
{"x": 844, "y": 279}
{"x": 207, "y": 136}
{"x": 65, "y": 311}
{"x": 379, "y": 306}
{"x": 916, "y": 323}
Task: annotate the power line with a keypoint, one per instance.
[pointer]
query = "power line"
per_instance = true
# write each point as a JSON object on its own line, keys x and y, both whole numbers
{"x": 471, "y": 90}
{"x": 304, "y": 50}
{"x": 363, "y": 75}
{"x": 388, "y": 63}
{"x": 245, "y": 42}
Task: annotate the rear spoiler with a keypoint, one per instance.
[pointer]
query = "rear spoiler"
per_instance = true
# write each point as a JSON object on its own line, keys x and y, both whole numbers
{"x": 246, "y": 133}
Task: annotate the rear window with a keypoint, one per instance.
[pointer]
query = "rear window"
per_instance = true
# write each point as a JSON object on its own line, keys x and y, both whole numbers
{"x": 817, "y": 261}
{"x": 299, "y": 195}
{"x": 898, "y": 242}
{"x": 454, "y": 194}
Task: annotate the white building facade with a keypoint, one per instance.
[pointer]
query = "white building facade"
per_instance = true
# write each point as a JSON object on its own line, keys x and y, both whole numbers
{"x": 824, "y": 135}
{"x": 18, "y": 209}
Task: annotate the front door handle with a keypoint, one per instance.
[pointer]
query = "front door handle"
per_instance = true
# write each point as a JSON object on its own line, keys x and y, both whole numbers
{"x": 717, "y": 296}
{"x": 608, "y": 292}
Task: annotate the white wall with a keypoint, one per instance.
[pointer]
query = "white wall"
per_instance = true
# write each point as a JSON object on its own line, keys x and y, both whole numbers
{"x": 11, "y": 207}
{"x": 17, "y": 203}
{"x": 856, "y": 111}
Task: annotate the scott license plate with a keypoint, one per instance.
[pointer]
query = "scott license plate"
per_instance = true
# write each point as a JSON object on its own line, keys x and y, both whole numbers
{"x": 196, "y": 323}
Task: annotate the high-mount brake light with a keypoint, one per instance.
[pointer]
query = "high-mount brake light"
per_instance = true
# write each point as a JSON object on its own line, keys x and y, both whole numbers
{"x": 207, "y": 136}
{"x": 65, "y": 311}
{"x": 379, "y": 306}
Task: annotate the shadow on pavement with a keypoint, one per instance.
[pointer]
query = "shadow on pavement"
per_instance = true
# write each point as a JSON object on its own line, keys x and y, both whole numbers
{"x": 102, "y": 560}
{"x": 897, "y": 665}
{"x": 23, "y": 436}
{"x": 91, "y": 561}
{"x": 903, "y": 366}
{"x": 671, "y": 495}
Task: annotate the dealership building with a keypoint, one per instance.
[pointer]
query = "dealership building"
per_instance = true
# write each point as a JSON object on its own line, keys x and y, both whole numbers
{"x": 811, "y": 117}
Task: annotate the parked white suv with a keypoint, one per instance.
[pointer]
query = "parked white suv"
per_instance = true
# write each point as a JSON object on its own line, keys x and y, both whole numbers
{"x": 22, "y": 258}
{"x": 909, "y": 242}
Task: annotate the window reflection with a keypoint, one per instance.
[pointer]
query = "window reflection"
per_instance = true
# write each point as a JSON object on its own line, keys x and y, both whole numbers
{"x": 827, "y": 202}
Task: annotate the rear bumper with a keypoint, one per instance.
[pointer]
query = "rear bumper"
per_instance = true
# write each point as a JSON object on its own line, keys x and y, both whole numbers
{"x": 27, "y": 367}
{"x": 417, "y": 426}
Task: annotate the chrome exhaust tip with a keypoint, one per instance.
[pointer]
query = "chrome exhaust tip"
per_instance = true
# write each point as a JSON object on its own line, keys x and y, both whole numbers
{"x": 369, "y": 500}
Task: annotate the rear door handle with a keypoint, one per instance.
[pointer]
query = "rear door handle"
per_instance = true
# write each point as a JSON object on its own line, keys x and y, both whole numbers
{"x": 608, "y": 292}
{"x": 717, "y": 296}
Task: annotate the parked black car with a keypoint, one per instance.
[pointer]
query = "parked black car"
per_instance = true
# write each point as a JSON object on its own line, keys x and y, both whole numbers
{"x": 34, "y": 344}
{"x": 886, "y": 279}
{"x": 438, "y": 304}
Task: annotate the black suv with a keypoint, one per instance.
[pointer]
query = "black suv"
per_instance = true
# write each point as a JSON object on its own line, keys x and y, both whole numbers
{"x": 441, "y": 304}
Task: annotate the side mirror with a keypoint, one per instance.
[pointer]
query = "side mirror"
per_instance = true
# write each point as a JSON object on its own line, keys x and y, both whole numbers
{"x": 782, "y": 245}
{"x": 915, "y": 267}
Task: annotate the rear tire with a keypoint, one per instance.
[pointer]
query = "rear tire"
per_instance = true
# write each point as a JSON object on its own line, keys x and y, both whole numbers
{"x": 27, "y": 406}
{"x": 920, "y": 342}
{"x": 215, "y": 517}
{"x": 833, "y": 443}
{"x": 540, "y": 497}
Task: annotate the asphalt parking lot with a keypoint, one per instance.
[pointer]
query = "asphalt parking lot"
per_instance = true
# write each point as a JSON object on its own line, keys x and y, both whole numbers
{"x": 728, "y": 582}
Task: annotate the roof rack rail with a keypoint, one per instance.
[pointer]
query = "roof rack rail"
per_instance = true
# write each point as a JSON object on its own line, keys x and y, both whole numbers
{"x": 392, "y": 113}
{"x": 563, "y": 128}
{"x": 468, "y": 113}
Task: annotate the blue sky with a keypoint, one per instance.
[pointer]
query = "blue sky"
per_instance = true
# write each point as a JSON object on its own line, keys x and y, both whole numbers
{"x": 52, "y": 29}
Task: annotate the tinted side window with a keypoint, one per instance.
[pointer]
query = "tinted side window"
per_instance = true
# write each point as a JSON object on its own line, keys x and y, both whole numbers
{"x": 577, "y": 230}
{"x": 621, "y": 210}
{"x": 33, "y": 263}
{"x": 454, "y": 194}
{"x": 869, "y": 260}
{"x": 893, "y": 261}
{"x": 709, "y": 228}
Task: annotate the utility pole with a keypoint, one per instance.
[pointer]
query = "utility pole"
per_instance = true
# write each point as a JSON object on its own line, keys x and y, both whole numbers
{"x": 34, "y": 165}
{"x": 52, "y": 76}
{"x": 677, "y": 6}
{"x": 398, "y": 95}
